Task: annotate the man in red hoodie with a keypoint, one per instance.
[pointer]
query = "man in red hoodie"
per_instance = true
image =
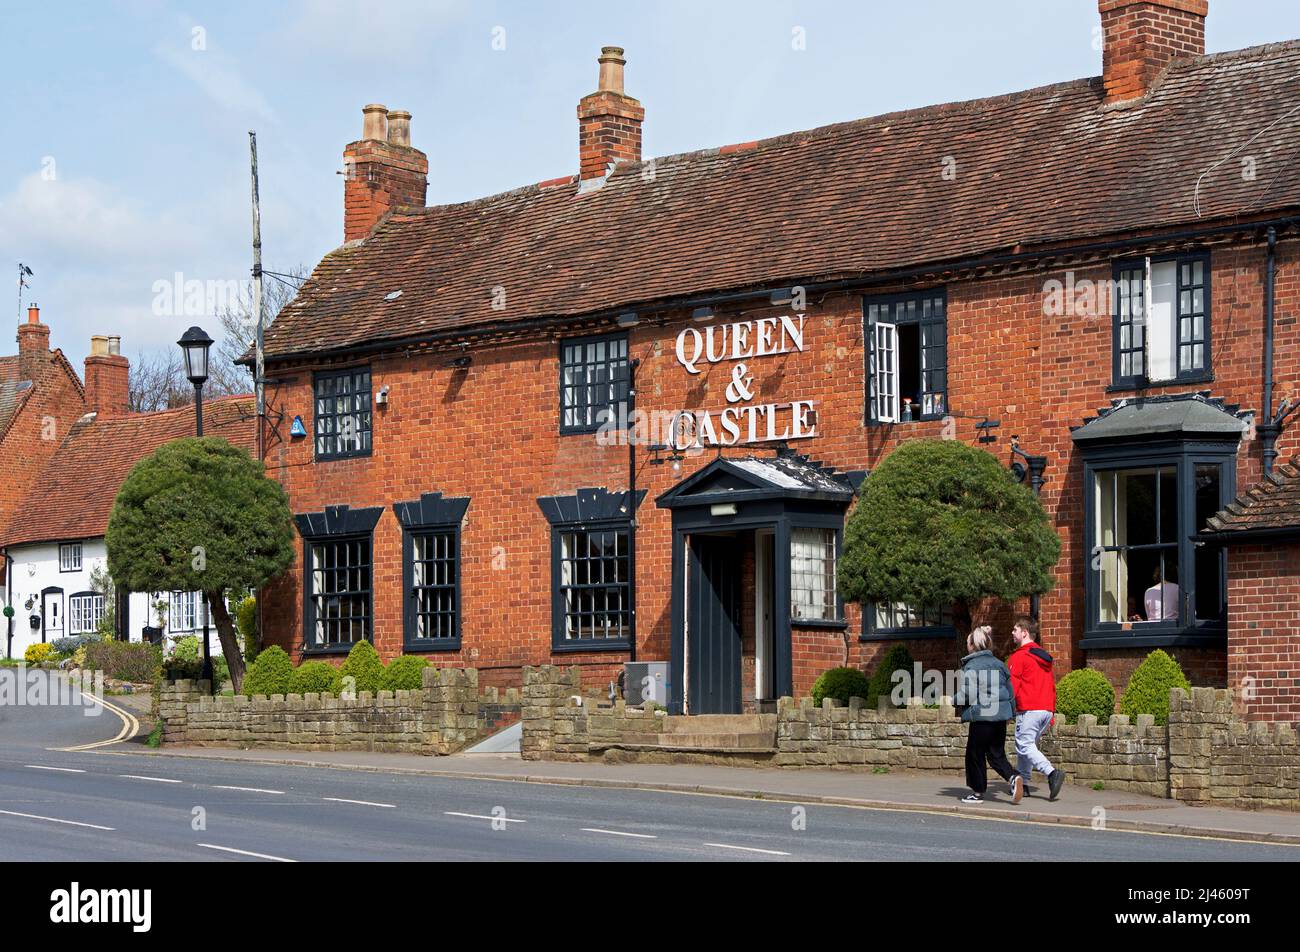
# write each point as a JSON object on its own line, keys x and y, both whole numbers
{"x": 1035, "y": 689}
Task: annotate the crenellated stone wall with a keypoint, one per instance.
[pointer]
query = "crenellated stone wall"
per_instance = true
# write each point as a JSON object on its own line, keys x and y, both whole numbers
{"x": 445, "y": 715}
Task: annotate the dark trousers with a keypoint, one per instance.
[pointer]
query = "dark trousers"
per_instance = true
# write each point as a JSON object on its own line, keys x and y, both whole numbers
{"x": 986, "y": 746}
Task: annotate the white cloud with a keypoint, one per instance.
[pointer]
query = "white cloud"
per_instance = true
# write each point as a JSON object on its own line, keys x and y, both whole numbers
{"x": 217, "y": 76}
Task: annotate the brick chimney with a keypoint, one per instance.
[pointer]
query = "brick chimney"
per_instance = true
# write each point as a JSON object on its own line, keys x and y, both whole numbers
{"x": 33, "y": 343}
{"x": 381, "y": 171}
{"x": 609, "y": 122}
{"x": 1141, "y": 37}
{"x": 107, "y": 374}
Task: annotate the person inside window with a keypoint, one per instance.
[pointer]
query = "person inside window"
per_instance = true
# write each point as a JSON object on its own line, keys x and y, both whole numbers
{"x": 1161, "y": 599}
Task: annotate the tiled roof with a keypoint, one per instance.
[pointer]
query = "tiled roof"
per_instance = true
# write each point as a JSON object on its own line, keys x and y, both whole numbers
{"x": 1036, "y": 168}
{"x": 1270, "y": 508}
{"x": 1193, "y": 415}
{"x": 73, "y": 497}
{"x": 13, "y": 391}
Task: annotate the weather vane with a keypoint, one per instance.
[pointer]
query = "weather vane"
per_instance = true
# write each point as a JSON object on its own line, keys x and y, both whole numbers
{"x": 24, "y": 273}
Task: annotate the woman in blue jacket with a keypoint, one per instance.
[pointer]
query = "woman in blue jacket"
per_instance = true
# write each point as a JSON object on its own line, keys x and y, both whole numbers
{"x": 986, "y": 702}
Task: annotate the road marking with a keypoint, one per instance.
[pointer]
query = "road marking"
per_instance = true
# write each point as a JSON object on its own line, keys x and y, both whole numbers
{"x": 231, "y": 849}
{"x": 479, "y": 816}
{"x": 130, "y": 726}
{"x": 60, "y": 769}
{"x": 639, "y": 836}
{"x": 363, "y": 803}
{"x": 222, "y": 786}
{"x": 131, "y": 776}
{"x": 53, "y": 819}
{"x": 746, "y": 849}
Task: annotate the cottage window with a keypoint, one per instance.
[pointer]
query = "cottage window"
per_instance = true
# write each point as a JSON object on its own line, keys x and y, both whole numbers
{"x": 435, "y": 586}
{"x": 188, "y": 612}
{"x": 593, "y": 586}
{"x": 1162, "y": 320}
{"x": 85, "y": 610}
{"x": 907, "y": 357}
{"x": 339, "y": 590}
{"x": 343, "y": 414}
{"x": 594, "y": 382}
{"x": 907, "y": 620}
{"x": 813, "y": 594}
{"x": 70, "y": 557}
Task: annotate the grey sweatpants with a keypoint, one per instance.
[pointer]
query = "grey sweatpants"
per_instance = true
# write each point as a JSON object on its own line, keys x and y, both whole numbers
{"x": 1029, "y": 727}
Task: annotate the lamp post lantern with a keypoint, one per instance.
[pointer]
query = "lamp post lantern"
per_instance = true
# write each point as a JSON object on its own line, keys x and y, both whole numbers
{"x": 194, "y": 344}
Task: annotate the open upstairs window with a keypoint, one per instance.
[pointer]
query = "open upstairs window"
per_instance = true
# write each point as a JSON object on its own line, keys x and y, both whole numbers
{"x": 1161, "y": 320}
{"x": 906, "y": 338}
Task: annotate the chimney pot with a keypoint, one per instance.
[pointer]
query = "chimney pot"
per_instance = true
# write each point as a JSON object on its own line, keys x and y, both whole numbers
{"x": 375, "y": 121}
{"x": 611, "y": 69}
{"x": 399, "y": 128}
{"x": 98, "y": 345}
{"x": 33, "y": 314}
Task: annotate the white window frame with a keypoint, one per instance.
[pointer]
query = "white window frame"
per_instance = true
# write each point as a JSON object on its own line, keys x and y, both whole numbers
{"x": 69, "y": 549}
{"x": 886, "y": 372}
{"x": 83, "y": 618}
{"x": 186, "y": 611}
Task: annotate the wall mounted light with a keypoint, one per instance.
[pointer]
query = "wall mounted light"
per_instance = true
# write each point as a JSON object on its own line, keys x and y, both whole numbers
{"x": 381, "y": 398}
{"x": 702, "y": 314}
{"x": 629, "y": 319}
{"x": 723, "y": 509}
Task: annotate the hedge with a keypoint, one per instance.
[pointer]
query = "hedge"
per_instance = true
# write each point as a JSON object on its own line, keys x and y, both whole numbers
{"x": 364, "y": 665}
{"x": 269, "y": 674}
{"x": 405, "y": 673}
{"x": 319, "y": 677}
{"x": 881, "y": 684}
{"x": 840, "y": 684}
{"x": 136, "y": 661}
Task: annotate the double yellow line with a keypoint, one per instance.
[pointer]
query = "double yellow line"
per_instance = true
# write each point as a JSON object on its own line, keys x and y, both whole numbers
{"x": 130, "y": 725}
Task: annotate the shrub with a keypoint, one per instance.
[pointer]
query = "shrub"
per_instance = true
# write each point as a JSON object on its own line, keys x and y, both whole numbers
{"x": 136, "y": 661}
{"x": 69, "y": 645}
{"x": 38, "y": 653}
{"x": 364, "y": 665}
{"x": 1148, "y": 689}
{"x": 187, "y": 648}
{"x": 269, "y": 674}
{"x": 405, "y": 673}
{"x": 1084, "y": 691}
{"x": 840, "y": 684}
{"x": 897, "y": 658}
{"x": 319, "y": 677}
{"x": 246, "y": 624}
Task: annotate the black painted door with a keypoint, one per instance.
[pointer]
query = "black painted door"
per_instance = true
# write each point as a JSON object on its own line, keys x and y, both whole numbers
{"x": 713, "y": 625}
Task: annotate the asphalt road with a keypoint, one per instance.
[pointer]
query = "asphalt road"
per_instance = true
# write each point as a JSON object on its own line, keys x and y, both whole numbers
{"x": 102, "y": 804}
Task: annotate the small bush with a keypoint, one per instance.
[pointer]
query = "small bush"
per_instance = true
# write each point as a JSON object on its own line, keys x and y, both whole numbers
{"x": 69, "y": 645}
{"x": 136, "y": 661}
{"x": 187, "y": 648}
{"x": 269, "y": 674}
{"x": 155, "y": 738}
{"x": 246, "y": 625}
{"x": 1148, "y": 689}
{"x": 897, "y": 658}
{"x": 840, "y": 684}
{"x": 405, "y": 673}
{"x": 181, "y": 669}
{"x": 319, "y": 677}
{"x": 38, "y": 653}
{"x": 364, "y": 665}
{"x": 1084, "y": 691}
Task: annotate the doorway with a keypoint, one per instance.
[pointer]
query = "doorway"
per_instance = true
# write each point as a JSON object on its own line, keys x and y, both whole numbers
{"x": 713, "y": 624}
{"x": 51, "y": 614}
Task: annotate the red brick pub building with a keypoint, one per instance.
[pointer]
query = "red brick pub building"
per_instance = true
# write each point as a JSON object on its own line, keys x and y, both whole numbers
{"x": 1106, "y": 269}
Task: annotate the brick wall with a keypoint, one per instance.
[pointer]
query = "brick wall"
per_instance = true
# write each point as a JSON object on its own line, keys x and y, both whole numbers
{"x": 1264, "y": 630}
{"x": 1141, "y": 38}
{"x": 490, "y": 432}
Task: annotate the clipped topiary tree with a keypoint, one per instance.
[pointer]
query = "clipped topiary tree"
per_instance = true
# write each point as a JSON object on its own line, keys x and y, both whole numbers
{"x": 939, "y": 522}
{"x": 364, "y": 666}
{"x": 319, "y": 677}
{"x": 200, "y": 515}
{"x": 1148, "y": 689}
{"x": 269, "y": 674}
{"x": 840, "y": 684}
{"x": 405, "y": 673}
{"x": 881, "y": 683}
{"x": 1084, "y": 691}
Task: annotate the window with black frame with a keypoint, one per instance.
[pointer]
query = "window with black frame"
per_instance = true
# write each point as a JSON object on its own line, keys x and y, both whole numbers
{"x": 906, "y": 349}
{"x": 338, "y": 592}
{"x": 901, "y": 619}
{"x": 593, "y": 586}
{"x": 435, "y": 577}
{"x": 813, "y": 594}
{"x": 343, "y": 413}
{"x": 1162, "y": 320}
{"x": 594, "y": 382}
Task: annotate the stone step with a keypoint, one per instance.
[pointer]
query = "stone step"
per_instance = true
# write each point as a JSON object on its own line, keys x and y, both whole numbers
{"x": 718, "y": 724}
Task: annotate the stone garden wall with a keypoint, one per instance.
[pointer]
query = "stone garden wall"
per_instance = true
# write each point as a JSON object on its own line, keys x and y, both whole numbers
{"x": 444, "y": 716}
{"x": 1206, "y": 755}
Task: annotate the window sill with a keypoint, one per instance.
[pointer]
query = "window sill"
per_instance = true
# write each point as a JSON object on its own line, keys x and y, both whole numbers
{"x": 337, "y": 457}
{"x": 1132, "y": 386}
{"x": 932, "y": 418}
{"x": 904, "y": 634}
{"x": 1160, "y": 638}
{"x": 331, "y": 650}
{"x": 447, "y": 644}
{"x": 583, "y": 647}
{"x": 826, "y": 623}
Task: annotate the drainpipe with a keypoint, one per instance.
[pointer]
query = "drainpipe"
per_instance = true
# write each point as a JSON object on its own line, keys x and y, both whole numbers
{"x": 632, "y": 366}
{"x": 1271, "y": 427}
{"x": 9, "y": 604}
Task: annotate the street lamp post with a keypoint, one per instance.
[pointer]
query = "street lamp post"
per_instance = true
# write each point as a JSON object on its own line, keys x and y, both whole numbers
{"x": 194, "y": 344}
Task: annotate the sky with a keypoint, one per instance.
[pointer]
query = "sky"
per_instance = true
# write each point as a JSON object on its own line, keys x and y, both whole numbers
{"x": 124, "y": 172}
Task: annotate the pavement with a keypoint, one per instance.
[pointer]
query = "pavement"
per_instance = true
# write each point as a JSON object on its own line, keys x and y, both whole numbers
{"x": 69, "y": 790}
